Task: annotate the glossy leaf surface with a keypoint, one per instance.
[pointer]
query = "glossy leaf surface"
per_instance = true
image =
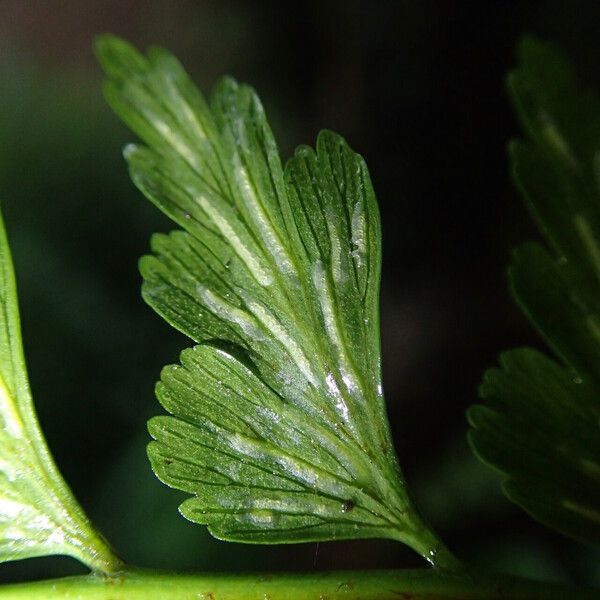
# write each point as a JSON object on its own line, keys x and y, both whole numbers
{"x": 278, "y": 426}
{"x": 38, "y": 514}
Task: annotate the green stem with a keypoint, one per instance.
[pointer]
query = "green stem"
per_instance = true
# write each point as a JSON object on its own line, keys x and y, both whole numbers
{"x": 414, "y": 531}
{"x": 422, "y": 539}
{"x": 366, "y": 585}
{"x": 97, "y": 554}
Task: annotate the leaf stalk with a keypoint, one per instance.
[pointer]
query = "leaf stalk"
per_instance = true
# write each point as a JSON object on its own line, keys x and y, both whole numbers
{"x": 367, "y": 585}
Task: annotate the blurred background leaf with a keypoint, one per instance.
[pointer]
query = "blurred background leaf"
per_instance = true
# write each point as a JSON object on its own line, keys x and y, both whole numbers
{"x": 417, "y": 89}
{"x": 539, "y": 422}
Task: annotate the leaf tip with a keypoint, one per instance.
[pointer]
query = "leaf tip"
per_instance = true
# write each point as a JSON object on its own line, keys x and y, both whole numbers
{"x": 116, "y": 56}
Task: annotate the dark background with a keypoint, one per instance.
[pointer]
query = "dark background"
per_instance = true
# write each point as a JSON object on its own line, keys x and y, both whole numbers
{"x": 417, "y": 88}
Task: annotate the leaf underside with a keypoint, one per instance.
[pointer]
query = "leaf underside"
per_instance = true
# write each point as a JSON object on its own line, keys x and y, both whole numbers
{"x": 38, "y": 514}
{"x": 540, "y": 424}
{"x": 278, "y": 426}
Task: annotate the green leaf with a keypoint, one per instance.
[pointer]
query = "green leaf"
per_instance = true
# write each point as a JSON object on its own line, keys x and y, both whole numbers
{"x": 540, "y": 425}
{"x": 278, "y": 426}
{"x": 38, "y": 513}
